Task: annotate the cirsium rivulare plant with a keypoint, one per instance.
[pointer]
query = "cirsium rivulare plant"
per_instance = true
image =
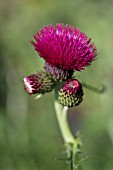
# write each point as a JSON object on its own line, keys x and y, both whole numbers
{"x": 65, "y": 51}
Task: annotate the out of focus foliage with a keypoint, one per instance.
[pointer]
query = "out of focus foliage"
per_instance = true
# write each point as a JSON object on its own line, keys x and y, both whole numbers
{"x": 29, "y": 134}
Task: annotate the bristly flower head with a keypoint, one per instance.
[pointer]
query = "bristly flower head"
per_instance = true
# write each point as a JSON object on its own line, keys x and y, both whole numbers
{"x": 38, "y": 83}
{"x": 71, "y": 93}
{"x": 64, "y": 47}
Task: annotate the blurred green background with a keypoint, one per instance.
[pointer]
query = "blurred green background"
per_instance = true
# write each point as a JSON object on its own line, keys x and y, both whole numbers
{"x": 30, "y": 138}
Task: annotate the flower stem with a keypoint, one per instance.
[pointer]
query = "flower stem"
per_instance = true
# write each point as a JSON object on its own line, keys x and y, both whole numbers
{"x": 61, "y": 113}
{"x": 72, "y": 144}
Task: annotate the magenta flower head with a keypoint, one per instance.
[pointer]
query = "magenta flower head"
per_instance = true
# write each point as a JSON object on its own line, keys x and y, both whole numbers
{"x": 64, "y": 49}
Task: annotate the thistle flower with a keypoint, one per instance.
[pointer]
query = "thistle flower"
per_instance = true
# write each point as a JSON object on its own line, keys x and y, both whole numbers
{"x": 71, "y": 93}
{"x": 64, "y": 48}
{"x": 38, "y": 83}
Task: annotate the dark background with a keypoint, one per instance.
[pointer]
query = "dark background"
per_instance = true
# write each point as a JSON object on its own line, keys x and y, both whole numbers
{"x": 30, "y": 138}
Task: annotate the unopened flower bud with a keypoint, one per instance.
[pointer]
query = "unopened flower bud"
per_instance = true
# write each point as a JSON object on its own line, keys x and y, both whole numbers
{"x": 71, "y": 93}
{"x": 38, "y": 83}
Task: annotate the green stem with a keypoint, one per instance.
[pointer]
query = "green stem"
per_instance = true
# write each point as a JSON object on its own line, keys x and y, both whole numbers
{"x": 71, "y": 142}
{"x": 100, "y": 89}
{"x": 61, "y": 113}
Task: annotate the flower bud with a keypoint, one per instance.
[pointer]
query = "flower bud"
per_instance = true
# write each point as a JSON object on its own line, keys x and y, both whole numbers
{"x": 71, "y": 93}
{"x": 38, "y": 83}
